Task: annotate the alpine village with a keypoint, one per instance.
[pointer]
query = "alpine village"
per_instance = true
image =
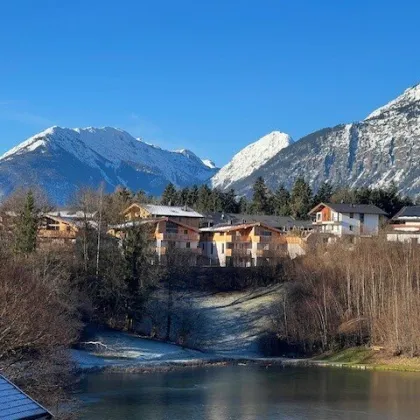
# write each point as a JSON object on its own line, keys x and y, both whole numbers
{"x": 142, "y": 280}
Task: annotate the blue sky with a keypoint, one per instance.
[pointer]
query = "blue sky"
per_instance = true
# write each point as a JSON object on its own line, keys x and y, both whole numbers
{"x": 209, "y": 76}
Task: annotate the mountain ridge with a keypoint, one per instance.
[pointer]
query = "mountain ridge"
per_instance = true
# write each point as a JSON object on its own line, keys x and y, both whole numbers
{"x": 95, "y": 155}
{"x": 383, "y": 148}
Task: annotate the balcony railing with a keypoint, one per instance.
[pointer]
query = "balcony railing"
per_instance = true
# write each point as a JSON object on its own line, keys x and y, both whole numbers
{"x": 237, "y": 238}
{"x": 180, "y": 251}
{"x": 178, "y": 237}
{"x": 239, "y": 252}
{"x": 64, "y": 234}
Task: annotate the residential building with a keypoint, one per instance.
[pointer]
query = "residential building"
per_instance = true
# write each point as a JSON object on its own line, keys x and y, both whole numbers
{"x": 347, "y": 219}
{"x": 167, "y": 236}
{"x": 283, "y": 223}
{"x": 55, "y": 230}
{"x": 183, "y": 215}
{"x": 243, "y": 245}
{"x": 405, "y": 225}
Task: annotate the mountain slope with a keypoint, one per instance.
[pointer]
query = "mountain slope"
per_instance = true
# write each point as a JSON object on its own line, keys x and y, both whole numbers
{"x": 382, "y": 148}
{"x": 60, "y": 160}
{"x": 250, "y": 159}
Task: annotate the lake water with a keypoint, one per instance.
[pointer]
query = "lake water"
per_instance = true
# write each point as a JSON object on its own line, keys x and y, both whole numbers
{"x": 252, "y": 393}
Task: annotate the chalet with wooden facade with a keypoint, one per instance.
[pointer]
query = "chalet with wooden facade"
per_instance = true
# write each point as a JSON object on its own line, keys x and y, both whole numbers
{"x": 56, "y": 231}
{"x": 347, "y": 219}
{"x": 405, "y": 225}
{"x": 242, "y": 245}
{"x": 168, "y": 238}
{"x": 183, "y": 215}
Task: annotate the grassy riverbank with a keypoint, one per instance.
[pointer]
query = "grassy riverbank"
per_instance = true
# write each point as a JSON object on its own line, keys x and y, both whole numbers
{"x": 368, "y": 358}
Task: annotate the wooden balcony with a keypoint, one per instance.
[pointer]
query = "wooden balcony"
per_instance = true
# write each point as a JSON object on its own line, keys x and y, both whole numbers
{"x": 56, "y": 234}
{"x": 191, "y": 237}
{"x": 181, "y": 251}
{"x": 238, "y": 252}
{"x": 270, "y": 239}
{"x": 238, "y": 238}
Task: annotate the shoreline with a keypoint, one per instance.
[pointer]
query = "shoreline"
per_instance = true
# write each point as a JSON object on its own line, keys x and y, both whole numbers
{"x": 219, "y": 361}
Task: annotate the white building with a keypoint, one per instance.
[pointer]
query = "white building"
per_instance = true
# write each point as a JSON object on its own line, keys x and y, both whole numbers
{"x": 347, "y": 219}
{"x": 406, "y": 225}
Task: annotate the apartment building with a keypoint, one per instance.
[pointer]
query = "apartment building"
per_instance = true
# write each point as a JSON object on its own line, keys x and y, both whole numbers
{"x": 242, "y": 245}
{"x": 347, "y": 219}
{"x": 168, "y": 238}
{"x": 183, "y": 214}
{"x": 405, "y": 225}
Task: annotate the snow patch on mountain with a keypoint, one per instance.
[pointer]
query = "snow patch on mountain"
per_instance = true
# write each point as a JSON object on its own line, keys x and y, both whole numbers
{"x": 209, "y": 163}
{"x": 409, "y": 96}
{"x": 251, "y": 158}
{"x": 107, "y": 153}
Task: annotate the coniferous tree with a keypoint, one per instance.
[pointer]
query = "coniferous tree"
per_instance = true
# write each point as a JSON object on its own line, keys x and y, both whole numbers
{"x": 300, "y": 199}
{"x": 243, "y": 205}
{"x": 230, "y": 204}
{"x": 27, "y": 226}
{"x": 282, "y": 202}
{"x": 125, "y": 194}
{"x": 324, "y": 194}
{"x": 183, "y": 196}
{"x": 169, "y": 195}
{"x": 204, "y": 200}
{"x": 193, "y": 196}
{"x": 260, "y": 204}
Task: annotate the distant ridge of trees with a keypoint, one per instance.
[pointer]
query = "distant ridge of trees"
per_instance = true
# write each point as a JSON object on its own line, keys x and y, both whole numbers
{"x": 283, "y": 202}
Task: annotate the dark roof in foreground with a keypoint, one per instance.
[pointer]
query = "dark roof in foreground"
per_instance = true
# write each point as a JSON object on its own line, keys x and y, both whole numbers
{"x": 353, "y": 208}
{"x": 16, "y": 405}
{"x": 408, "y": 211}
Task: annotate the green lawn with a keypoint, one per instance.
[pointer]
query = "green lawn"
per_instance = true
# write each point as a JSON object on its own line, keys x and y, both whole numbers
{"x": 353, "y": 355}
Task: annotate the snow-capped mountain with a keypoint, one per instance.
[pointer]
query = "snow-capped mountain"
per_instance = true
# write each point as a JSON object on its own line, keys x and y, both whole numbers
{"x": 250, "y": 159}
{"x": 382, "y": 148}
{"x": 60, "y": 160}
{"x": 209, "y": 163}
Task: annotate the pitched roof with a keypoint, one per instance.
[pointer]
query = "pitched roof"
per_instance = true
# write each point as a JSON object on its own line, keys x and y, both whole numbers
{"x": 230, "y": 227}
{"x": 287, "y": 222}
{"x": 173, "y": 211}
{"x": 70, "y": 222}
{"x": 351, "y": 208}
{"x": 73, "y": 214}
{"x": 140, "y": 222}
{"x": 16, "y": 405}
{"x": 408, "y": 212}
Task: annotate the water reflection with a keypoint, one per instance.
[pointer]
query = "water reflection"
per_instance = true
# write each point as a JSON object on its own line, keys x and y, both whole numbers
{"x": 252, "y": 393}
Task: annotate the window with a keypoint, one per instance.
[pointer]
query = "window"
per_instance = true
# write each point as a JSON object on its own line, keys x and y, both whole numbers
{"x": 171, "y": 227}
{"x": 185, "y": 232}
{"x": 362, "y": 218}
{"x": 351, "y": 228}
{"x": 211, "y": 248}
{"x": 351, "y": 215}
{"x": 188, "y": 245}
{"x": 318, "y": 217}
{"x": 223, "y": 248}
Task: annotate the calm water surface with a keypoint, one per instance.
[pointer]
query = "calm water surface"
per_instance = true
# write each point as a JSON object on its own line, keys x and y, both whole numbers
{"x": 252, "y": 393}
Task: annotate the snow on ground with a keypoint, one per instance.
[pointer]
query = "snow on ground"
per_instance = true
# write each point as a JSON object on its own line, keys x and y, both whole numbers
{"x": 232, "y": 323}
{"x": 229, "y": 326}
{"x": 113, "y": 348}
